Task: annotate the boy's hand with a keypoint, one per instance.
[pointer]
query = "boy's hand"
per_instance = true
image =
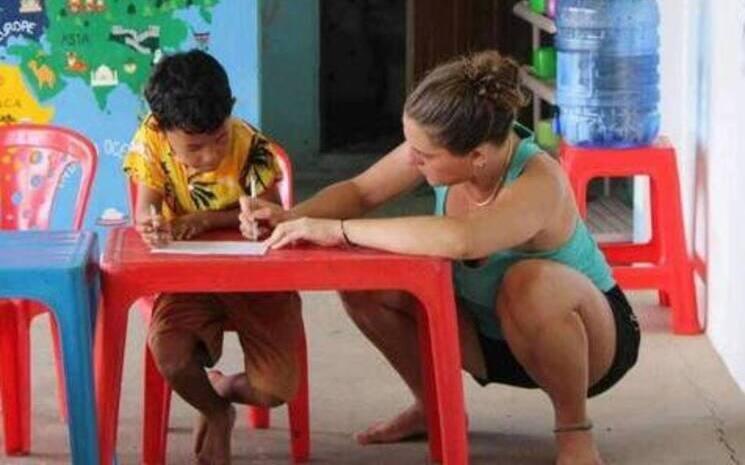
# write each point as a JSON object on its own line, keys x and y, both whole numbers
{"x": 154, "y": 231}
{"x": 258, "y": 215}
{"x": 189, "y": 226}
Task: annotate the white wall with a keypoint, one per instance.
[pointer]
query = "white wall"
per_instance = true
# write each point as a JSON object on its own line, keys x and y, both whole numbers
{"x": 725, "y": 154}
{"x": 678, "y": 85}
{"x": 679, "y": 39}
{"x": 703, "y": 106}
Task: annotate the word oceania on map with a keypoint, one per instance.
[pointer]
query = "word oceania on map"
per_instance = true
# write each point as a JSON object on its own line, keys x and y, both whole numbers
{"x": 115, "y": 148}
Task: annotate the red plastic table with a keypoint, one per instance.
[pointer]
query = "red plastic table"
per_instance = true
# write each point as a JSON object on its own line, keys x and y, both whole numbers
{"x": 129, "y": 271}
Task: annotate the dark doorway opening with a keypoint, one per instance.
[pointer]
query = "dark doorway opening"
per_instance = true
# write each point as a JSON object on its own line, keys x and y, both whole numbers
{"x": 363, "y": 75}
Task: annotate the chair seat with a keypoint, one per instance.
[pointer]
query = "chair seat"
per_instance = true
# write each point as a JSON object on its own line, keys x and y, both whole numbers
{"x": 57, "y": 269}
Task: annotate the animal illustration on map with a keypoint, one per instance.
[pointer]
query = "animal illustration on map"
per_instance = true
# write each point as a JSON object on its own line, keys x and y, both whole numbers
{"x": 45, "y": 77}
{"x": 76, "y": 64}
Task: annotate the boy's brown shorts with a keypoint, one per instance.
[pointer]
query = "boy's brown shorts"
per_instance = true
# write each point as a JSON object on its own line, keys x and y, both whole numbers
{"x": 269, "y": 327}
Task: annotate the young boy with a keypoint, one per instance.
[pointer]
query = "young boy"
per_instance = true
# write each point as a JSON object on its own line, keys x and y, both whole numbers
{"x": 191, "y": 161}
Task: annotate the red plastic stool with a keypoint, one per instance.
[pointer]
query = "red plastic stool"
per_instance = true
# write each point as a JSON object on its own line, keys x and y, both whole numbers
{"x": 158, "y": 406}
{"x": 668, "y": 267}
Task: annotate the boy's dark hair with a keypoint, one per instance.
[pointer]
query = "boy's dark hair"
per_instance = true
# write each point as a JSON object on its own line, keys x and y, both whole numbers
{"x": 189, "y": 91}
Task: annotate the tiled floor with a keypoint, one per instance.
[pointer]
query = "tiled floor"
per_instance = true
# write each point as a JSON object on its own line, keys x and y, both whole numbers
{"x": 677, "y": 407}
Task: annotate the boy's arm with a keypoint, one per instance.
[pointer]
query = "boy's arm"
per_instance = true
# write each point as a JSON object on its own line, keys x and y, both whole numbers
{"x": 188, "y": 226}
{"x": 153, "y": 229}
{"x": 146, "y": 196}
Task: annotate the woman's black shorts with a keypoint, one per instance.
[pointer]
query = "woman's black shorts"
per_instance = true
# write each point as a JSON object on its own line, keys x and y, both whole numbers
{"x": 502, "y": 366}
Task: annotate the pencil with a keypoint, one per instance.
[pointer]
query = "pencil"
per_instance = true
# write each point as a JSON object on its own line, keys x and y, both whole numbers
{"x": 254, "y": 225}
{"x": 153, "y": 216}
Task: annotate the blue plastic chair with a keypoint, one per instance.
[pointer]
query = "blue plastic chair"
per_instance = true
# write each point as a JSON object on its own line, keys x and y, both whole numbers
{"x": 58, "y": 269}
{"x": 33, "y": 161}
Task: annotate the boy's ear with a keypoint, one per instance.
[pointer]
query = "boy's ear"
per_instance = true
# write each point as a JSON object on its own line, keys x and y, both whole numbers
{"x": 153, "y": 123}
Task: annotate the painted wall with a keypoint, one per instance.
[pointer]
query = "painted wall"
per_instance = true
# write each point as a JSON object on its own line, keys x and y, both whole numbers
{"x": 703, "y": 93}
{"x": 288, "y": 67}
{"x": 722, "y": 141}
{"x": 37, "y": 37}
{"x": 270, "y": 49}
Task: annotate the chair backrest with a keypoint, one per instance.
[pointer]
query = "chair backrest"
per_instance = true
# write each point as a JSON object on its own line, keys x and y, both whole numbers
{"x": 33, "y": 160}
{"x": 285, "y": 185}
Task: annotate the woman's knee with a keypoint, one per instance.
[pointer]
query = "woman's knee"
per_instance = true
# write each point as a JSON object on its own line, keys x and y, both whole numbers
{"x": 524, "y": 287}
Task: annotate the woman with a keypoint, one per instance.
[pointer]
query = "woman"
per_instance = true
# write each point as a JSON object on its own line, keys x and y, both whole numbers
{"x": 537, "y": 304}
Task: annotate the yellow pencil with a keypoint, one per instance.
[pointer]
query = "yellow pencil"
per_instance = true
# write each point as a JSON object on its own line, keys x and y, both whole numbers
{"x": 254, "y": 225}
{"x": 154, "y": 217}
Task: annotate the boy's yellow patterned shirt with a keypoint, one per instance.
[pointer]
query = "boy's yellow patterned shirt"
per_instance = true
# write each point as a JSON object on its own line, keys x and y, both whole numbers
{"x": 150, "y": 161}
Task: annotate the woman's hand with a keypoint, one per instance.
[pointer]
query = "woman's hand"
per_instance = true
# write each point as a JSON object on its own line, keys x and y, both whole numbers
{"x": 259, "y": 216}
{"x": 189, "y": 226}
{"x": 323, "y": 232}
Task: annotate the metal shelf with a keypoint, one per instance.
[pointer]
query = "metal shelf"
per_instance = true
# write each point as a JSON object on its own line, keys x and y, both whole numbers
{"x": 545, "y": 90}
{"x": 522, "y": 9}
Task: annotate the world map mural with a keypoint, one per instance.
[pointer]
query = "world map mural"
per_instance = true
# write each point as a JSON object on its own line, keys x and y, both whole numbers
{"x": 83, "y": 64}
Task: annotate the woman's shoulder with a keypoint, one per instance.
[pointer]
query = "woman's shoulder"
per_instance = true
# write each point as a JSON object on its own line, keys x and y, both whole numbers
{"x": 543, "y": 169}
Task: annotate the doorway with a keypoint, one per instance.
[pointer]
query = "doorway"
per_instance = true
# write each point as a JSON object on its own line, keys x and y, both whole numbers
{"x": 363, "y": 75}
{"x": 373, "y": 51}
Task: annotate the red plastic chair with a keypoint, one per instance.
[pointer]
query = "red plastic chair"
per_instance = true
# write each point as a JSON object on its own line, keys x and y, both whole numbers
{"x": 668, "y": 267}
{"x": 158, "y": 393}
{"x": 33, "y": 162}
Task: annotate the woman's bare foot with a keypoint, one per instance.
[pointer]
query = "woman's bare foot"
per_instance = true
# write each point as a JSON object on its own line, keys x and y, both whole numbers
{"x": 407, "y": 424}
{"x": 215, "y": 448}
{"x": 577, "y": 448}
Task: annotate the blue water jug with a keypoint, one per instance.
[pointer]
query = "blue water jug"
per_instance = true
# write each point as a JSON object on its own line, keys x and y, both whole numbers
{"x": 607, "y": 84}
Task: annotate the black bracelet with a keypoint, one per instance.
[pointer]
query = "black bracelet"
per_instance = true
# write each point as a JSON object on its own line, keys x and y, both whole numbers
{"x": 344, "y": 233}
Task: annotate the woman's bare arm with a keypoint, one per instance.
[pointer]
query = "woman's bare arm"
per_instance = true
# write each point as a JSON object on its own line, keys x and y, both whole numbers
{"x": 520, "y": 212}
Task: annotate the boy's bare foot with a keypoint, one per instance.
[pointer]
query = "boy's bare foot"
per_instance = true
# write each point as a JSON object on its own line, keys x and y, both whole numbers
{"x": 577, "y": 448}
{"x": 216, "y": 445}
{"x": 200, "y": 424}
{"x": 219, "y": 382}
{"x": 407, "y": 424}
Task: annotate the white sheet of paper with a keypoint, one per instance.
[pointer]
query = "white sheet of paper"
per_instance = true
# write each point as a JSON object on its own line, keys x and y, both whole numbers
{"x": 212, "y": 248}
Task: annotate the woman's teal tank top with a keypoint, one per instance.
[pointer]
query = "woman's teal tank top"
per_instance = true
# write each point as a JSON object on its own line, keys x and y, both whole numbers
{"x": 476, "y": 287}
